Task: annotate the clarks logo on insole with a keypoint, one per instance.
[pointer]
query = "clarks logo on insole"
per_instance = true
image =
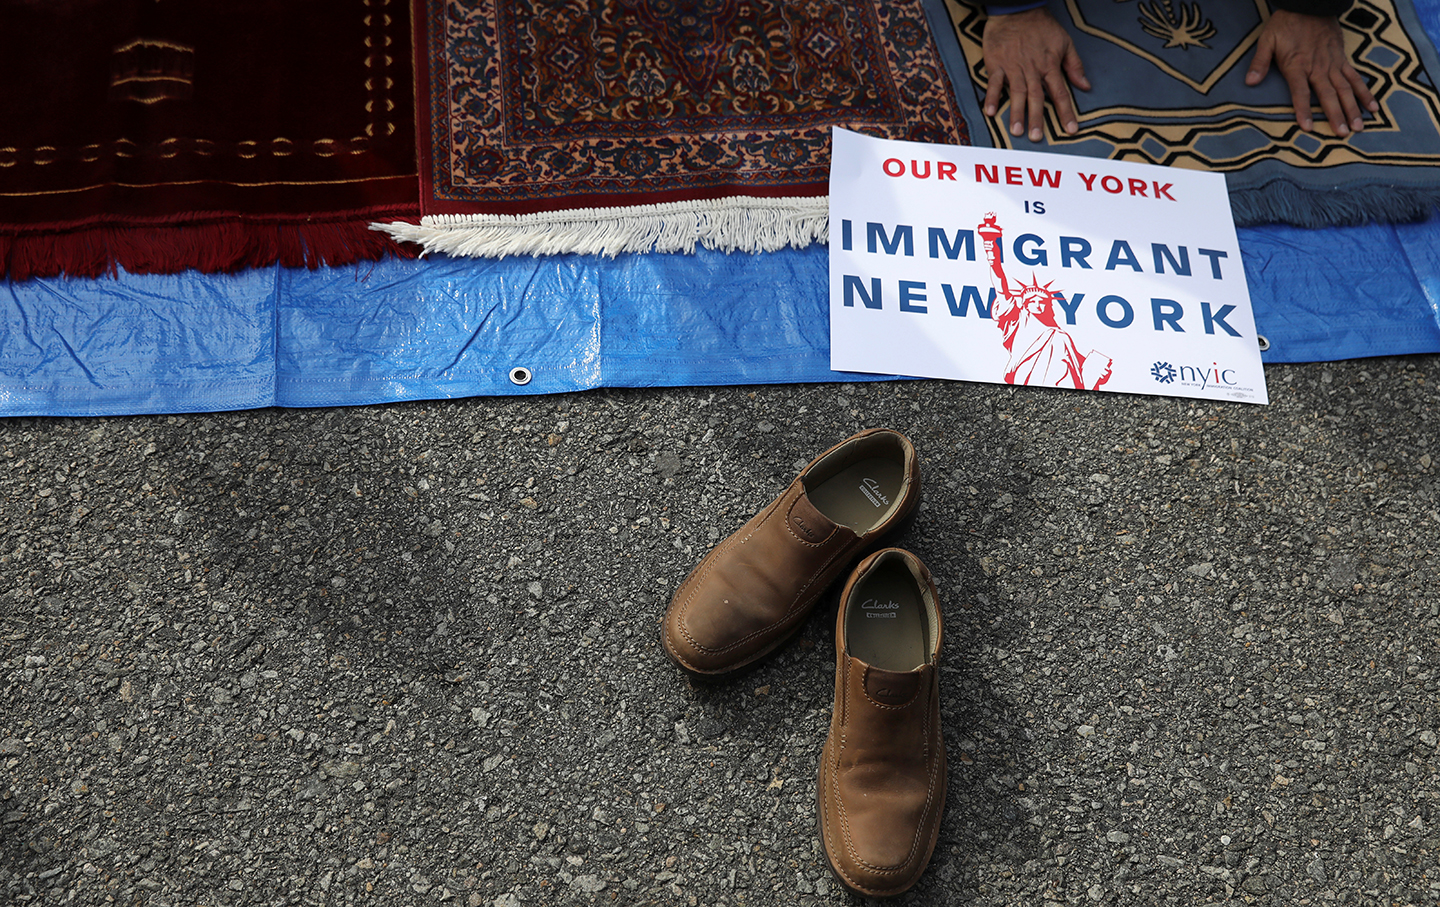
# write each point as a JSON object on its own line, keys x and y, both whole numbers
{"x": 875, "y": 608}
{"x": 871, "y": 489}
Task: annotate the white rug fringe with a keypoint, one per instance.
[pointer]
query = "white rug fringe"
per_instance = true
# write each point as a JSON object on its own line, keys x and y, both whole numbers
{"x": 737, "y": 224}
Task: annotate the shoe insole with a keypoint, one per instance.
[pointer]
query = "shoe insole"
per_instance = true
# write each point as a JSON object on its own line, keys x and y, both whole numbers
{"x": 860, "y": 495}
{"x": 886, "y": 625}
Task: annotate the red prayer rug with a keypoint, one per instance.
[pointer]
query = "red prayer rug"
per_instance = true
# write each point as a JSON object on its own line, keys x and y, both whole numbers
{"x": 607, "y": 126}
{"x": 217, "y": 136}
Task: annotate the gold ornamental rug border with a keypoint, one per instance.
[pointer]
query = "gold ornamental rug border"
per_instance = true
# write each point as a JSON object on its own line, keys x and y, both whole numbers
{"x": 1126, "y": 128}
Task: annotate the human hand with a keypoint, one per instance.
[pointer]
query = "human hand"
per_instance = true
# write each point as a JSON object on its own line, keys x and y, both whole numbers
{"x": 1034, "y": 56}
{"x": 1310, "y": 53}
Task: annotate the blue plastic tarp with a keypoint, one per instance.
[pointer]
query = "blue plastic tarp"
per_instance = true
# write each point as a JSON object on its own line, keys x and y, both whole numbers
{"x": 443, "y": 327}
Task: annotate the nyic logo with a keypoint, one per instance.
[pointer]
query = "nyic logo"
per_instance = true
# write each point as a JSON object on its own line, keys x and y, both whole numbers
{"x": 1194, "y": 375}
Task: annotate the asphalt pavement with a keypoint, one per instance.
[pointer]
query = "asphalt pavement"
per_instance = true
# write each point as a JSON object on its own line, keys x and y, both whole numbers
{"x": 408, "y": 654}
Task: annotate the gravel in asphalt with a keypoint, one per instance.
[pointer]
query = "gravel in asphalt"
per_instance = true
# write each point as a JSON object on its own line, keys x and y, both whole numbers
{"x": 408, "y": 654}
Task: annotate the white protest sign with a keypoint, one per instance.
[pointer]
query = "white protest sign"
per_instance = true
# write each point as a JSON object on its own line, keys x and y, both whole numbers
{"x": 1039, "y": 269}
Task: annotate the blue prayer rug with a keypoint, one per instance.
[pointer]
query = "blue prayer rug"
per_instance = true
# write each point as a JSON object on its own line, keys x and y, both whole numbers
{"x": 1169, "y": 88}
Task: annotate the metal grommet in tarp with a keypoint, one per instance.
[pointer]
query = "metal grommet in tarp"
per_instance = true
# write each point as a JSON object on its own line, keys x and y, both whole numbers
{"x": 1264, "y": 342}
{"x": 520, "y": 376}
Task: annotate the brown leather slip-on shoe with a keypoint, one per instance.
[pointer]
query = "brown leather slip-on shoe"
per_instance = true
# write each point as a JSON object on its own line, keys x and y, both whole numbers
{"x": 882, "y": 771}
{"x": 754, "y": 590}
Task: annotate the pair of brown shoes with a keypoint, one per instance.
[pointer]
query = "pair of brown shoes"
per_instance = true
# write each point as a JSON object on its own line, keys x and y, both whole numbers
{"x": 882, "y": 770}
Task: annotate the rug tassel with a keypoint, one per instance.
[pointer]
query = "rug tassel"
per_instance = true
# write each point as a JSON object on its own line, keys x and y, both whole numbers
{"x": 739, "y": 224}
{"x": 1284, "y": 202}
{"x": 221, "y": 247}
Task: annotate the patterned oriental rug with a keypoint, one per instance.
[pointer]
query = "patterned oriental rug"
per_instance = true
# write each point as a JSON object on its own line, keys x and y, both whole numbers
{"x": 159, "y": 137}
{"x": 1168, "y": 88}
{"x": 606, "y": 126}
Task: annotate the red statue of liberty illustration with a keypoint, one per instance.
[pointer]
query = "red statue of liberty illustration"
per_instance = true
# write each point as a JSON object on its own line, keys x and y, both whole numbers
{"x": 1041, "y": 353}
